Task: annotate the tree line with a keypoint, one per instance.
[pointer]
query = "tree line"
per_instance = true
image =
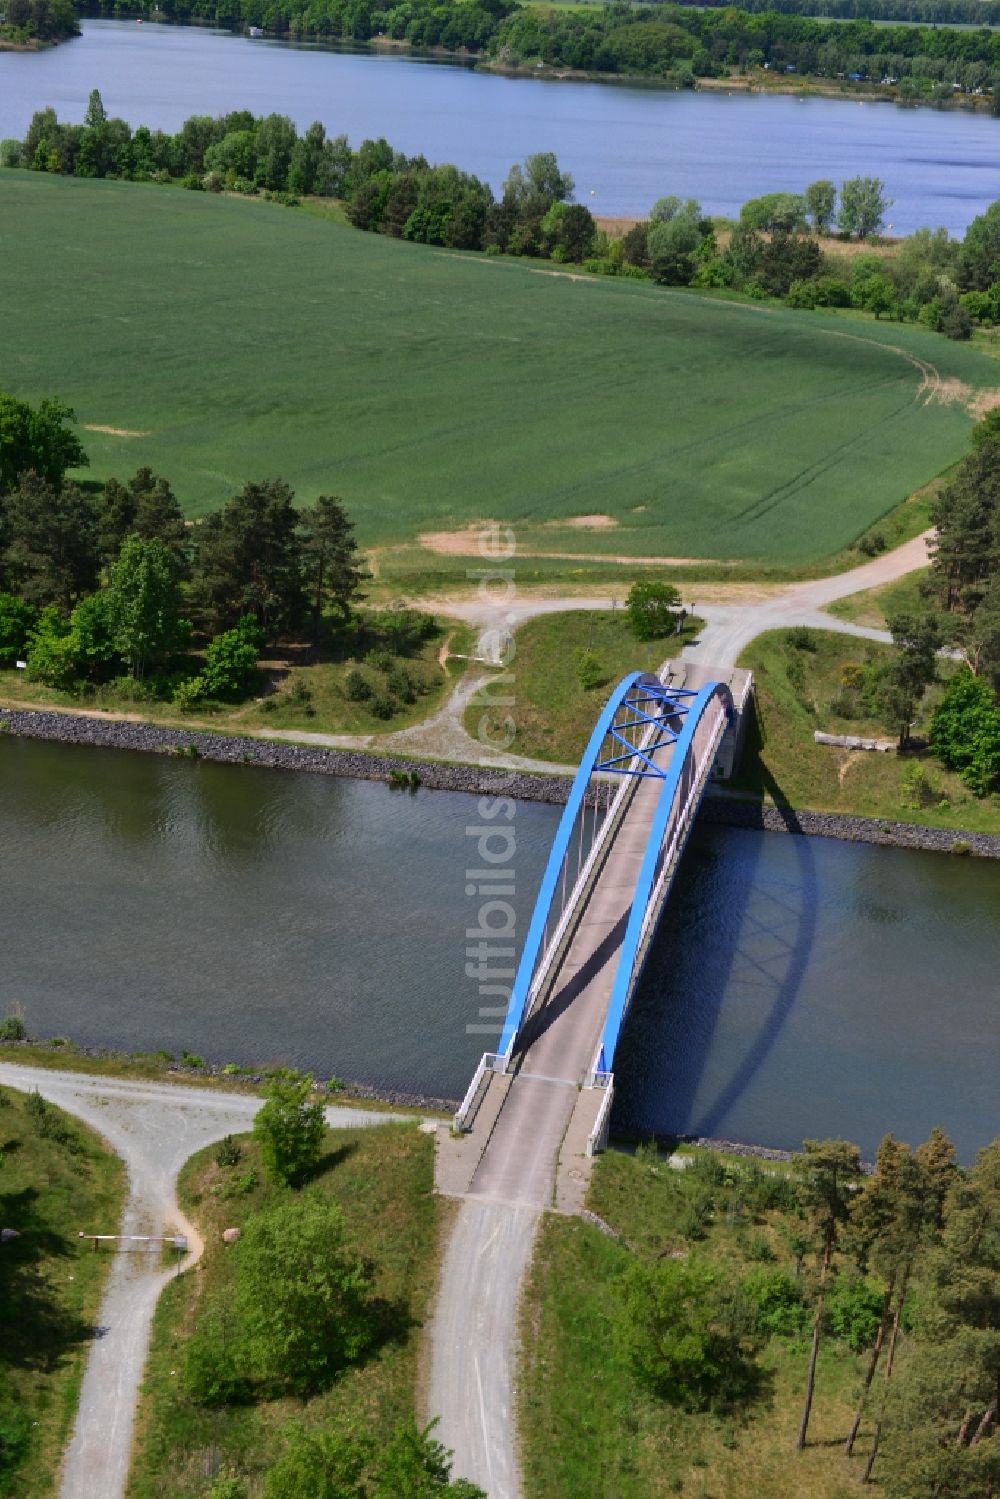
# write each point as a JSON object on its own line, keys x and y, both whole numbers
{"x": 773, "y": 249}
{"x": 675, "y": 42}
{"x": 38, "y": 21}
{"x": 96, "y": 584}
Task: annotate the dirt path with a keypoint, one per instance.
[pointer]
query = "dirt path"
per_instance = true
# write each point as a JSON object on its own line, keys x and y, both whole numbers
{"x": 154, "y": 1127}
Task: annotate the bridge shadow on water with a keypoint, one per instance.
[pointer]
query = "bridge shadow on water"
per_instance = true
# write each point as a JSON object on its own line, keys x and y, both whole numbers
{"x": 722, "y": 981}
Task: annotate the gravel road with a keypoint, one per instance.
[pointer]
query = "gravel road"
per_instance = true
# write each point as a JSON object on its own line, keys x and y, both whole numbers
{"x": 154, "y": 1127}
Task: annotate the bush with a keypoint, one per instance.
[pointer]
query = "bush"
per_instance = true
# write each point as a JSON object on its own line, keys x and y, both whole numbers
{"x": 229, "y": 1152}
{"x": 651, "y": 610}
{"x": 589, "y": 671}
{"x": 17, "y": 620}
{"x": 965, "y": 732}
{"x": 801, "y": 638}
{"x": 382, "y": 705}
{"x": 231, "y": 660}
{"x": 357, "y": 686}
{"x": 777, "y": 1301}
{"x": 301, "y": 1295}
{"x": 210, "y": 1374}
{"x": 188, "y": 694}
{"x": 684, "y": 1330}
{"x": 12, "y": 1028}
{"x": 290, "y": 1128}
{"x": 854, "y": 1308}
{"x": 401, "y": 685}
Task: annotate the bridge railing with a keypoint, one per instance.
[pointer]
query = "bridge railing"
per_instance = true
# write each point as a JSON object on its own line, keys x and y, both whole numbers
{"x": 467, "y": 1110}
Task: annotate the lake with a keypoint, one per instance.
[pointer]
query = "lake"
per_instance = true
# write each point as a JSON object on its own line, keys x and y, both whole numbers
{"x": 256, "y": 916}
{"x": 625, "y": 144}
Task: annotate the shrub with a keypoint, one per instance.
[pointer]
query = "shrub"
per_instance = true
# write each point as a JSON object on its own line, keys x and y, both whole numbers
{"x": 231, "y": 659}
{"x": 965, "y": 732}
{"x": 589, "y": 671}
{"x": 650, "y": 609}
{"x": 188, "y": 694}
{"x": 380, "y": 659}
{"x": 382, "y": 705}
{"x": 301, "y": 1294}
{"x": 211, "y": 1375}
{"x": 681, "y": 1326}
{"x": 357, "y": 686}
{"x": 801, "y": 638}
{"x": 17, "y": 619}
{"x": 777, "y": 1300}
{"x": 290, "y": 1128}
{"x": 401, "y": 685}
{"x": 854, "y": 1307}
{"x": 12, "y": 1028}
{"x": 229, "y": 1153}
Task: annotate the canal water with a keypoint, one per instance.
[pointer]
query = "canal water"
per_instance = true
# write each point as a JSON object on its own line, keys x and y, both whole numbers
{"x": 625, "y": 144}
{"x": 799, "y": 987}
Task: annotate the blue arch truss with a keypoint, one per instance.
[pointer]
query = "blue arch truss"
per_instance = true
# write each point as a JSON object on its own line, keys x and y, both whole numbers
{"x": 641, "y": 719}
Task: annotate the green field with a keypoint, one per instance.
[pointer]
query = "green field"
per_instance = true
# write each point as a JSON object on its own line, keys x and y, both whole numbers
{"x": 239, "y": 340}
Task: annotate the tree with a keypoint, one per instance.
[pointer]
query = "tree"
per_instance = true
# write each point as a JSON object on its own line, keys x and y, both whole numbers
{"x": 52, "y": 554}
{"x": 231, "y": 660}
{"x": 785, "y": 212}
{"x": 332, "y": 573}
{"x": 300, "y": 1295}
{"x": 569, "y": 231}
{"x": 820, "y": 200}
{"x": 17, "y": 618}
{"x": 96, "y": 114}
{"x": 535, "y": 186}
{"x": 863, "y": 207}
{"x": 248, "y": 559}
{"x": 827, "y": 1171}
{"x": 143, "y": 604}
{"x": 651, "y": 610}
{"x": 37, "y": 438}
{"x": 676, "y": 232}
{"x": 147, "y": 507}
{"x": 680, "y": 1327}
{"x": 290, "y": 1128}
{"x": 903, "y": 682}
{"x": 980, "y": 254}
{"x": 887, "y": 1223}
{"x": 965, "y": 732}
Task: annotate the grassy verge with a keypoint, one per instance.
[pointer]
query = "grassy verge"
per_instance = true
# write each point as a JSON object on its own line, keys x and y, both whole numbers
{"x": 296, "y": 689}
{"x": 160, "y": 1066}
{"x": 800, "y": 690}
{"x": 57, "y": 1177}
{"x": 591, "y": 1429}
{"x": 873, "y": 606}
{"x": 382, "y": 1180}
{"x": 553, "y": 712}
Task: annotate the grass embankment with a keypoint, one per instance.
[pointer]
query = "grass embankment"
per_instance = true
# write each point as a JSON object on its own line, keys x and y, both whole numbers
{"x": 799, "y": 690}
{"x": 554, "y": 714}
{"x": 431, "y": 389}
{"x": 590, "y": 1428}
{"x": 382, "y": 1180}
{"x": 874, "y": 606}
{"x": 296, "y": 689}
{"x": 56, "y": 1178}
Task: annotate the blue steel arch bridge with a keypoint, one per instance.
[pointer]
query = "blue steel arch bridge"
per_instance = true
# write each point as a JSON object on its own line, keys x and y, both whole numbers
{"x": 547, "y": 1091}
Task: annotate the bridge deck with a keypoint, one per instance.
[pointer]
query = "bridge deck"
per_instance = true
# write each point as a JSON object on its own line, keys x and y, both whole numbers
{"x": 557, "y": 1044}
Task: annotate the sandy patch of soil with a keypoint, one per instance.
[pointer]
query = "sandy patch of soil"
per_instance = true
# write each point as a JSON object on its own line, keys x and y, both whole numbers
{"x": 586, "y": 522}
{"x": 462, "y": 543}
{"x": 114, "y": 431}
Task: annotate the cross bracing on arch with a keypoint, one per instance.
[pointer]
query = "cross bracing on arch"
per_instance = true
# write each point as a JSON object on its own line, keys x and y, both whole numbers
{"x": 651, "y": 722}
